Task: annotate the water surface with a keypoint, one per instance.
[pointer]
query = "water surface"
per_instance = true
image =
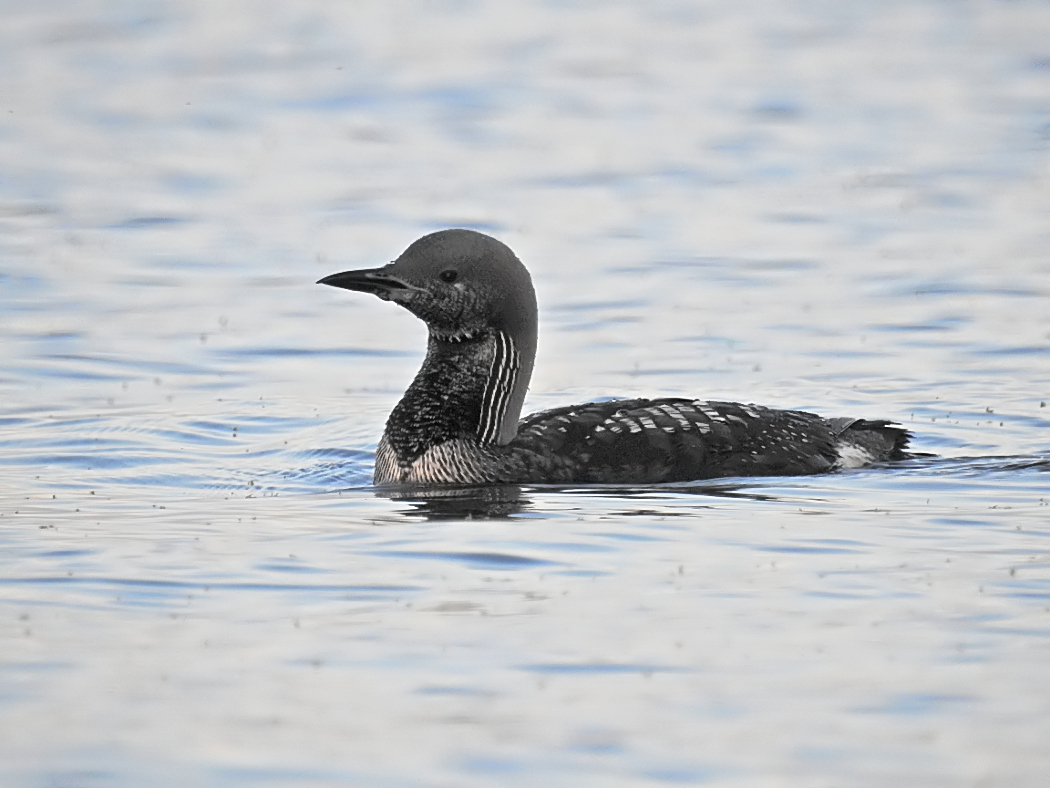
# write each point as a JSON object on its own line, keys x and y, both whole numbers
{"x": 840, "y": 208}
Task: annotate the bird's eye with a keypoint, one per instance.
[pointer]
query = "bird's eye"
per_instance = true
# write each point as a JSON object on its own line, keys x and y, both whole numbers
{"x": 449, "y": 276}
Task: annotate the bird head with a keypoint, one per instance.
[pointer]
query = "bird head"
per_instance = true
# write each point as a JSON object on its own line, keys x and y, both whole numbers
{"x": 461, "y": 283}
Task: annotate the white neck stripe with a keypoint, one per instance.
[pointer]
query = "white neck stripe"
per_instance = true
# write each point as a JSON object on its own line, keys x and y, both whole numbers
{"x": 502, "y": 374}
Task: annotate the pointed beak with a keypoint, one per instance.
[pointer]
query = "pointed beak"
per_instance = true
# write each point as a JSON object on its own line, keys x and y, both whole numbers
{"x": 377, "y": 281}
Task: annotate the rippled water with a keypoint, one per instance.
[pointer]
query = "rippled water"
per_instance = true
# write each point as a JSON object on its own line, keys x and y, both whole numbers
{"x": 839, "y": 207}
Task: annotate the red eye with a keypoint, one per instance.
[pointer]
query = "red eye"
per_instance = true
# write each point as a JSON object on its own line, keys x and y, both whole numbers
{"x": 449, "y": 276}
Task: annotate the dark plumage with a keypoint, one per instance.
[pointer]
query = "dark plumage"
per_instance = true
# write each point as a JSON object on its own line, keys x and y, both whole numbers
{"x": 458, "y": 421}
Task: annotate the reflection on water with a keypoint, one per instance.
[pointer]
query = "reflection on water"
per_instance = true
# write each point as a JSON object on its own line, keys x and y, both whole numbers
{"x": 503, "y": 501}
{"x": 464, "y": 503}
{"x": 839, "y": 209}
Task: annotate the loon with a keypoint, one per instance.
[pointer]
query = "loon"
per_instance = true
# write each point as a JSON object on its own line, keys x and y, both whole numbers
{"x": 457, "y": 424}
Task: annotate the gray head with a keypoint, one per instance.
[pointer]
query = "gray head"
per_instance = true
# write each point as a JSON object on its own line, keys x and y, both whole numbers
{"x": 460, "y": 282}
{"x": 463, "y": 285}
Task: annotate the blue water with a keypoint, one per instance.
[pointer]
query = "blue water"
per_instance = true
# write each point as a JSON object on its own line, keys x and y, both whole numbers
{"x": 841, "y": 208}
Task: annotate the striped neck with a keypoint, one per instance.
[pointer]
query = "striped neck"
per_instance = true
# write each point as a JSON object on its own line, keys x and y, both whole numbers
{"x": 469, "y": 387}
{"x": 497, "y": 395}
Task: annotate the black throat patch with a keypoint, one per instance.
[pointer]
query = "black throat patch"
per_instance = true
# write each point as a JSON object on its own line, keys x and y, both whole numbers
{"x": 444, "y": 401}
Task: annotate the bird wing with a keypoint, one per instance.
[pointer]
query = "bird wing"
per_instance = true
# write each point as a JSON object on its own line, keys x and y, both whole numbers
{"x": 662, "y": 440}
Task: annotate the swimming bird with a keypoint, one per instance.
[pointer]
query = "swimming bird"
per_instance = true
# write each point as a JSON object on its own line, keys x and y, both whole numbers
{"x": 458, "y": 422}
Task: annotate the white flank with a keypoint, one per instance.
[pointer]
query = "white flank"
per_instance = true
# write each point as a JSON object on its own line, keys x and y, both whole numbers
{"x": 853, "y": 456}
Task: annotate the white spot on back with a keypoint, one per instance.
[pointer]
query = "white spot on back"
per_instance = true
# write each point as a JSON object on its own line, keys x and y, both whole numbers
{"x": 676, "y": 414}
{"x": 633, "y": 426}
{"x": 710, "y": 412}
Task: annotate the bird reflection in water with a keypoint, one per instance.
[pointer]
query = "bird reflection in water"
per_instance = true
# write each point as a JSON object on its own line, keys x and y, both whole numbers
{"x": 485, "y": 502}
{"x": 503, "y": 501}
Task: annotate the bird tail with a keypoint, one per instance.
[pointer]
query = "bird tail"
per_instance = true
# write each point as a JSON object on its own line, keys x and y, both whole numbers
{"x": 883, "y": 440}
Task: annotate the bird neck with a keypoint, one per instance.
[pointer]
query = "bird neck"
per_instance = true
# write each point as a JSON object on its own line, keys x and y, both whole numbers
{"x": 470, "y": 388}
